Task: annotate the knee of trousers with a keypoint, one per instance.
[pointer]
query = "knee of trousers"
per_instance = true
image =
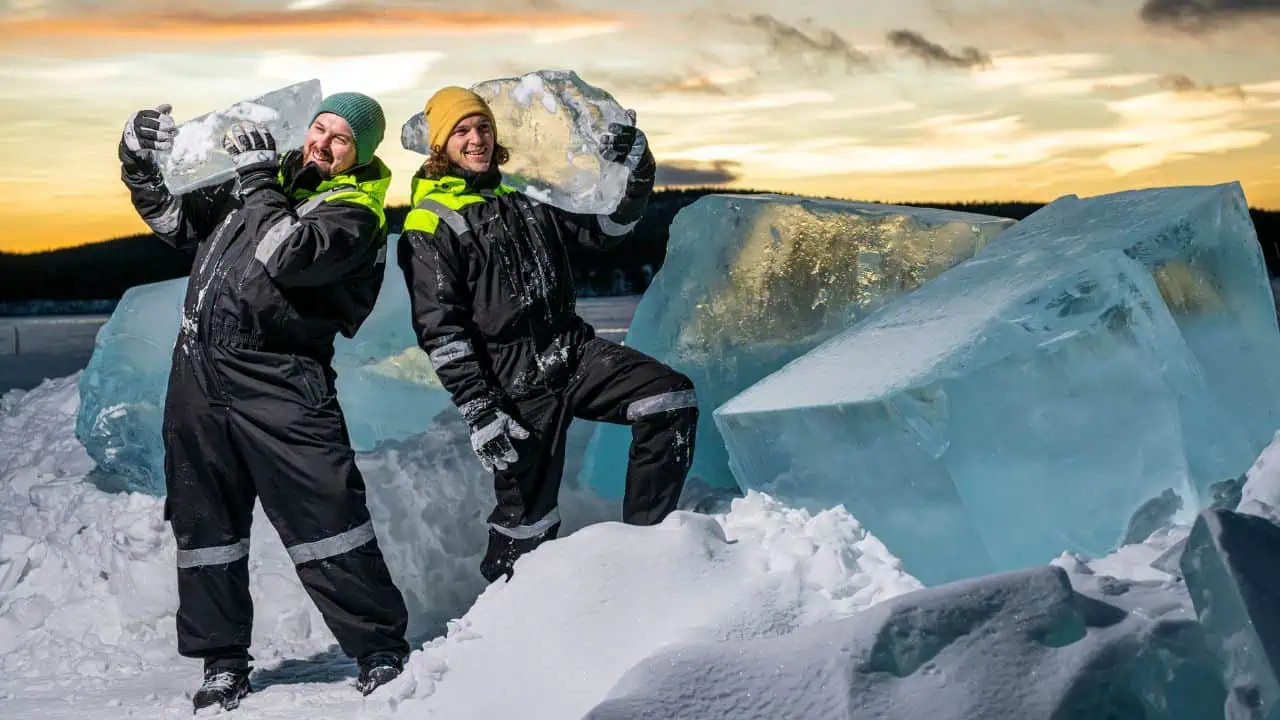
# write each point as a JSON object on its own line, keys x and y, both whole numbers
{"x": 677, "y": 402}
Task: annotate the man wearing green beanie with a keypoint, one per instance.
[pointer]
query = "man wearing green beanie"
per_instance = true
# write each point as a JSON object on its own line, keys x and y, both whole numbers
{"x": 288, "y": 253}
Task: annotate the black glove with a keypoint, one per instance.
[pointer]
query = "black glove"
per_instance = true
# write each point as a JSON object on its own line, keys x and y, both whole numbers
{"x": 627, "y": 144}
{"x": 253, "y": 149}
{"x": 146, "y": 134}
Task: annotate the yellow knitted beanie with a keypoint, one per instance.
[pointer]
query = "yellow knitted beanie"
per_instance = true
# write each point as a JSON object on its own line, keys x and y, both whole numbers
{"x": 447, "y": 108}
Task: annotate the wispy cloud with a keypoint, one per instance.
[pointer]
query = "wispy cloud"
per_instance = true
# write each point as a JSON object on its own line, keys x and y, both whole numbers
{"x": 1202, "y": 15}
{"x": 916, "y": 45}
{"x": 372, "y": 73}
{"x": 1146, "y": 131}
{"x": 17, "y": 34}
{"x": 711, "y": 106}
{"x": 1180, "y": 83}
{"x": 716, "y": 82}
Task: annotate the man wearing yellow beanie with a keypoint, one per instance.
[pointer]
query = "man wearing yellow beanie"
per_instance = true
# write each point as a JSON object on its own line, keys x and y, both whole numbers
{"x": 493, "y": 304}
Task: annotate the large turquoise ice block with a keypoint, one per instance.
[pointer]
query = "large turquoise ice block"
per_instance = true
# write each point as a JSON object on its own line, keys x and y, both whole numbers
{"x": 385, "y": 383}
{"x": 1038, "y": 394}
{"x": 751, "y": 282}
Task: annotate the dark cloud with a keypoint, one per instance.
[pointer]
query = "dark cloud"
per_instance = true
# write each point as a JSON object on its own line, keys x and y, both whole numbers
{"x": 913, "y": 43}
{"x": 1184, "y": 85}
{"x": 1202, "y": 15}
{"x": 718, "y": 172}
{"x": 789, "y": 43}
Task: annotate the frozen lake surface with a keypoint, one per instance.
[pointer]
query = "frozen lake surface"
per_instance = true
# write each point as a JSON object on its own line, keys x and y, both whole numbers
{"x": 36, "y": 347}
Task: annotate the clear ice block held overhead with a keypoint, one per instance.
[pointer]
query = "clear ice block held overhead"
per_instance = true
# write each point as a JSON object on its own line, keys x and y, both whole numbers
{"x": 197, "y": 159}
{"x": 551, "y": 122}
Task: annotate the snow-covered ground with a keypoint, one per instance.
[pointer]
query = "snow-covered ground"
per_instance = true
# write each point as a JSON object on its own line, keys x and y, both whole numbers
{"x": 87, "y": 590}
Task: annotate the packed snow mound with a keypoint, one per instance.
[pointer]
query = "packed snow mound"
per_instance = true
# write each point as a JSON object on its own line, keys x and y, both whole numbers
{"x": 581, "y": 610}
{"x": 752, "y": 282}
{"x": 386, "y": 386}
{"x": 1023, "y": 644}
{"x": 1139, "y": 325}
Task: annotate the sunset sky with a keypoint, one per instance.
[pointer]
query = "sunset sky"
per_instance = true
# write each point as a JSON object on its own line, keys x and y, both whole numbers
{"x": 909, "y": 100}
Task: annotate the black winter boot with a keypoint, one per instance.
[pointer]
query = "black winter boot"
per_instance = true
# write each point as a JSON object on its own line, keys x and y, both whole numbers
{"x": 222, "y": 686}
{"x": 377, "y": 670}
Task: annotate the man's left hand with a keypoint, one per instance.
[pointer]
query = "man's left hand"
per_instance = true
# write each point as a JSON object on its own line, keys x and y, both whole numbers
{"x": 627, "y": 144}
{"x": 249, "y": 144}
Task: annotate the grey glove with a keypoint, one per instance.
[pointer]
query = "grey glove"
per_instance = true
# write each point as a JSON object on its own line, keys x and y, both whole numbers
{"x": 491, "y": 440}
{"x": 249, "y": 144}
{"x": 146, "y": 134}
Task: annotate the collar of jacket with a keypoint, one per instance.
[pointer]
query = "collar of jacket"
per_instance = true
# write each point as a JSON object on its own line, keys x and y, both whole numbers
{"x": 421, "y": 186}
{"x": 372, "y": 180}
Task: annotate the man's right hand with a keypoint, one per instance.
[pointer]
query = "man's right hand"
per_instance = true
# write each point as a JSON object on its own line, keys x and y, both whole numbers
{"x": 147, "y": 133}
{"x": 491, "y": 440}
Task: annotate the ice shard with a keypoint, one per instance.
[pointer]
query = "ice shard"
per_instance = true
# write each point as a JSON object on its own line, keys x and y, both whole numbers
{"x": 386, "y": 386}
{"x": 197, "y": 158}
{"x": 751, "y": 282}
{"x": 1230, "y": 569}
{"x": 1104, "y": 351}
{"x": 551, "y": 122}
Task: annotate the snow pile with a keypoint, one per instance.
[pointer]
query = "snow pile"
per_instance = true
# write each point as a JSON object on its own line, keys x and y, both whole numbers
{"x": 581, "y": 611}
{"x": 1023, "y": 644}
{"x": 87, "y": 588}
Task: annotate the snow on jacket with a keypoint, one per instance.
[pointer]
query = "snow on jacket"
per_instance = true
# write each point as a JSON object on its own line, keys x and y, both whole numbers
{"x": 487, "y": 269}
{"x": 283, "y": 269}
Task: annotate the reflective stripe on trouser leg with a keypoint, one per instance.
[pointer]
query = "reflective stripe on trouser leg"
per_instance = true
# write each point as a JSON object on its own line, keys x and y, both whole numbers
{"x": 333, "y": 545}
{"x": 219, "y": 555}
{"x": 533, "y": 530}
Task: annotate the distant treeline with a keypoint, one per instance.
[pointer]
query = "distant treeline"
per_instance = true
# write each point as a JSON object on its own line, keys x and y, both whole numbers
{"x": 103, "y": 271}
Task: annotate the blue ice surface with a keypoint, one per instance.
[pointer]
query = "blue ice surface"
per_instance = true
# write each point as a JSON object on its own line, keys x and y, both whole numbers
{"x": 751, "y": 282}
{"x": 385, "y": 384}
{"x": 1028, "y": 401}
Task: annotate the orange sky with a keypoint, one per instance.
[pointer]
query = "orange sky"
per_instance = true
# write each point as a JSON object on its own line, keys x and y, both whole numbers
{"x": 907, "y": 101}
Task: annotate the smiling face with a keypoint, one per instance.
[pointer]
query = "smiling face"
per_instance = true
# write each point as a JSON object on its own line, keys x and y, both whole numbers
{"x": 471, "y": 143}
{"x": 330, "y": 145}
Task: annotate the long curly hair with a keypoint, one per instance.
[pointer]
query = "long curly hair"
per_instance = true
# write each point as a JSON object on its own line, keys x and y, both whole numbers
{"x": 437, "y": 163}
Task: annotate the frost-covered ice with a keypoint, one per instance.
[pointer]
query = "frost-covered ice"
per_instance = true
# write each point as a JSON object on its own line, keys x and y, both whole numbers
{"x": 1230, "y": 568}
{"x": 752, "y": 282}
{"x": 197, "y": 158}
{"x": 1023, "y": 644}
{"x": 551, "y": 121}
{"x": 1138, "y": 325}
{"x": 386, "y": 385}
{"x": 87, "y": 609}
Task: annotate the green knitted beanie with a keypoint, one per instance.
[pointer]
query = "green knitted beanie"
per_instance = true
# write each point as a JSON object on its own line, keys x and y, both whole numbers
{"x": 365, "y": 117}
